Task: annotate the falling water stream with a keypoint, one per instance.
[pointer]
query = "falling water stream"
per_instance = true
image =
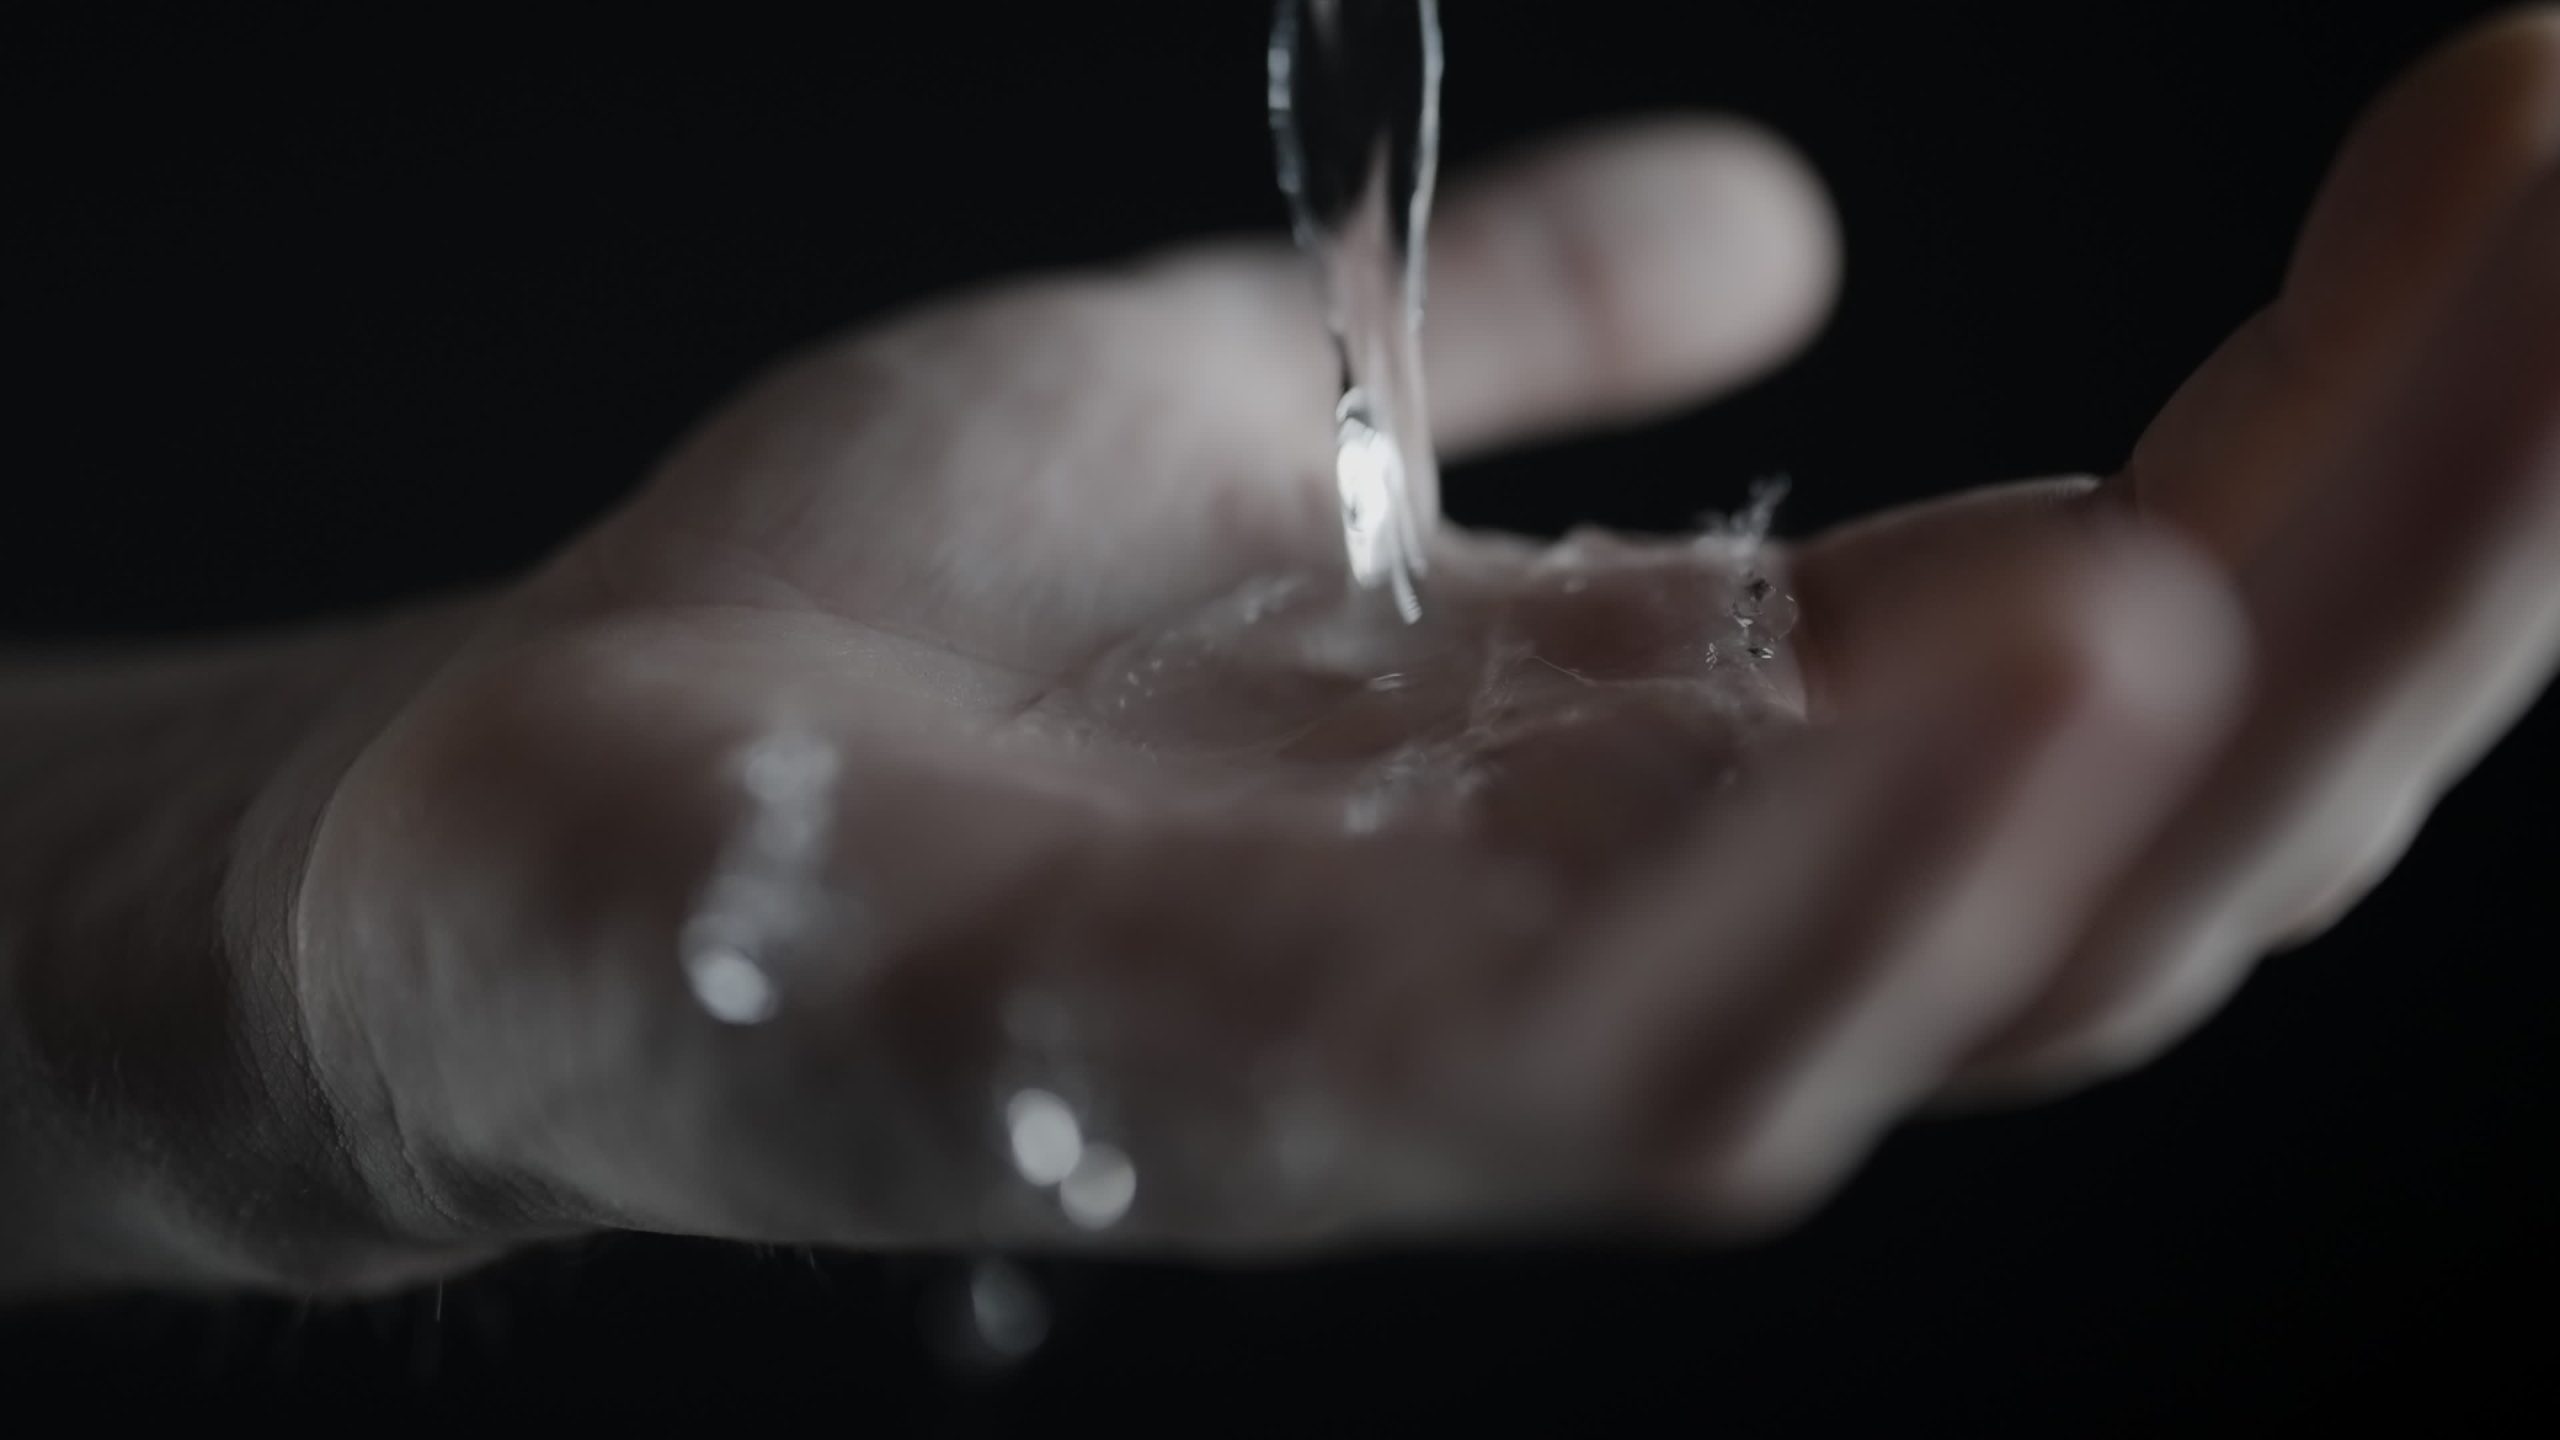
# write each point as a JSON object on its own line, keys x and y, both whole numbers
{"x": 1355, "y": 119}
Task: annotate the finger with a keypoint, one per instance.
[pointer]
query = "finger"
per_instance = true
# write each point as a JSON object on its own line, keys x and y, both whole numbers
{"x": 1168, "y": 425}
{"x": 2421, "y": 190}
{"x": 1593, "y": 279}
{"x": 1787, "y": 986}
{"x": 2403, "y": 624}
{"x": 1856, "y": 585}
{"x": 2416, "y": 202}
{"x": 1618, "y": 273}
{"x": 2413, "y": 202}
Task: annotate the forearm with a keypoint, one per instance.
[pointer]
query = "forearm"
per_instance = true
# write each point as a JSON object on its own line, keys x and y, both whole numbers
{"x": 157, "y": 1125}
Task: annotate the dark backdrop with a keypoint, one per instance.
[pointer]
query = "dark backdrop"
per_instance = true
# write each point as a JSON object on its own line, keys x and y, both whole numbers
{"x": 315, "y": 314}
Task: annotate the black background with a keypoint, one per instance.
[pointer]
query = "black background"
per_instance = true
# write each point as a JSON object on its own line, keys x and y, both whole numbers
{"x": 317, "y": 314}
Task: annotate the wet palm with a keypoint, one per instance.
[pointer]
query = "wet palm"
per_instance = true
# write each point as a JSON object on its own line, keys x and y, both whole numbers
{"x": 886, "y": 698}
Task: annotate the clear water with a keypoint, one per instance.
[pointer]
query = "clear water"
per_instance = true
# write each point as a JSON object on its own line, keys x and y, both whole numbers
{"x": 1355, "y": 118}
{"x": 1565, "y": 706}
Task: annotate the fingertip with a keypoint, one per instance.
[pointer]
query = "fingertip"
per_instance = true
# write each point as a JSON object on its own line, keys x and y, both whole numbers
{"x": 1723, "y": 238}
{"x": 2422, "y": 181}
{"x": 2525, "y": 38}
{"x": 1614, "y": 273}
{"x": 2152, "y": 633}
{"x": 2115, "y": 621}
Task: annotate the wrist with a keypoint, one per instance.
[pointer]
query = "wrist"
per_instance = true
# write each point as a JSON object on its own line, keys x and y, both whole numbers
{"x": 159, "y": 1121}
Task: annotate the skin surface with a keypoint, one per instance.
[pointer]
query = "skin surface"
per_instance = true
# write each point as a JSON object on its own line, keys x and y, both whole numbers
{"x": 347, "y": 959}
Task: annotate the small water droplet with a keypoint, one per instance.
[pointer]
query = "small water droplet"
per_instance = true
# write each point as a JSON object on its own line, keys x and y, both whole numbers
{"x": 1778, "y": 615}
{"x": 1046, "y": 1138}
{"x": 732, "y": 986}
{"x": 1102, "y": 1188}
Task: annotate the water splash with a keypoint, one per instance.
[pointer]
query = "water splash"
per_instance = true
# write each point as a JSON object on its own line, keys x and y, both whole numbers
{"x": 1355, "y": 119}
{"x": 1761, "y": 614}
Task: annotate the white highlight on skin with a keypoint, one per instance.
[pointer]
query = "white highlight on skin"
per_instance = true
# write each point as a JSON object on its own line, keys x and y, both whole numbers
{"x": 1047, "y": 1140}
{"x": 764, "y": 894}
{"x": 732, "y": 986}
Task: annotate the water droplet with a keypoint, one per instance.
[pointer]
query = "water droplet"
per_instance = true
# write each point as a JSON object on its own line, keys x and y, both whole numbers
{"x": 732, "y": 986}
{"x": 1046, "y": 1138}
{"x": 1755, "y": 597}
{"x": 1778, "y": 615}
{"x": 1100, "y": 1191}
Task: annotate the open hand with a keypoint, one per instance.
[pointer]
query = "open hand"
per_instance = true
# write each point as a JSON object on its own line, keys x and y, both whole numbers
{"x": 780, "y": 863}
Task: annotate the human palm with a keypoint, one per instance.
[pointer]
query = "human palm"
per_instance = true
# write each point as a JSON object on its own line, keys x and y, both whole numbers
{"x": 958, "y": 800}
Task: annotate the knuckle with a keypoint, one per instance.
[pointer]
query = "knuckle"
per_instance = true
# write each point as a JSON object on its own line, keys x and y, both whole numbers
{"x": 2145, "y": 640}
